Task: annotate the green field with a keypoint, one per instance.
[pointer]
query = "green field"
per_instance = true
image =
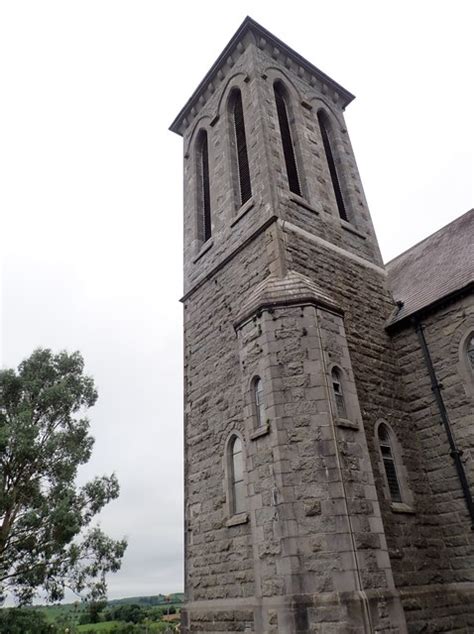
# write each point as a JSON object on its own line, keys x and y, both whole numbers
{"x": 108, "y": 626}
{"x": 133, "y": 615}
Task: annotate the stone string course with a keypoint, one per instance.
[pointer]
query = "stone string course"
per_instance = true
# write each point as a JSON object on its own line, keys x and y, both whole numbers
{"x": 320, "y": 547}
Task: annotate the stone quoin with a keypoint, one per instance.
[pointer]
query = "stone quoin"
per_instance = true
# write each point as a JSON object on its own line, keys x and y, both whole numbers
{"x": 328, "y": 398}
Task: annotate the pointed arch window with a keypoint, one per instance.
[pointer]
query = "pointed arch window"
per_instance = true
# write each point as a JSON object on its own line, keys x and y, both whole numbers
{"x": 241, "y": 159}
{"x": 258, "y": 401}
{"x": 203, "y": 194}
{"x": 325, "y": 127}
{"x": 281, "y": 100}
{"x": 389, "y": 463}
{"x": 466, "y": 361}
{"x": 470, "y": 352}
{"x": 336, "y": 378}
{"x": 236, "y": 483}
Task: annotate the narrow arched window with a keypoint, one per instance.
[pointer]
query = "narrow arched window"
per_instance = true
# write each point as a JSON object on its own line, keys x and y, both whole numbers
{"x": 237, "y": 494}
{"x": 258, "y": 402}
{"x": 386, "y": 449}
{"x": 338, "y": 393}
{"x": 241, "y": 159}
{"x": 204, "y": 196}
{"x": 281, "y": 100}
{"x": 470, "y": 352}
{"x": 324, "y": 126}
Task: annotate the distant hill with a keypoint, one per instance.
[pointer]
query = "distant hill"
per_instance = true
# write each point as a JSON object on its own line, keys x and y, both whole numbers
{"x": 156, "y": 599}
{"x": 174, "y": 598}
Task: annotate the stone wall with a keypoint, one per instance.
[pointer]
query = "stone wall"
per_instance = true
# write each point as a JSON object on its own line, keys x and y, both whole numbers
{"x": 429, "y": 541}
{"x": 316, "y": 211}
{"x": 442, "y": 550}
{"x": 219, "y": 560}
{"x": 304, "y": 481}
{"x": 321, "y": 546}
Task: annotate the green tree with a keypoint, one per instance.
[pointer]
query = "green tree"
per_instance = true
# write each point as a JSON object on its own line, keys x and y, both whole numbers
{"x": 47, "y": 539}
{"x": 25, "y": 621}
{"x": 129, "y": 612}
{"x": 94, "y": 610}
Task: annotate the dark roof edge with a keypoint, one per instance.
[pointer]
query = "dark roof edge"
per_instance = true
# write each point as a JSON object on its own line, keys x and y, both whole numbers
{"x": 247, "y": 25}
{"x": 428, "y": 308}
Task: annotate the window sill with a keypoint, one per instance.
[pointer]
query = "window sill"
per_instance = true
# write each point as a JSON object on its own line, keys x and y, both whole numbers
{"x": 235, "y": 520}
{"x": 351, "y": 229}
{"x": 204, "y": 249}
{"x": 400, "y": 507}
{"x": 260, "y": 431}
{"x": 302, "y": 203}
{"x": 243, "y": 211}
{"x": 348, "y": 424}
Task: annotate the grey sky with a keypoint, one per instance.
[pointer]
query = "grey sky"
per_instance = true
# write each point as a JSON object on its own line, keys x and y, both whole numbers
{"x": 91, "y": 197}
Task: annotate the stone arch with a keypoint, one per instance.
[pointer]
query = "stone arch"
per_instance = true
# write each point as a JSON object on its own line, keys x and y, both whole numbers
{"x": 334, "y": 163}
{"x": 234, "y": 474}
{"x": 238, "y": 147}
{"x": 237, "y": 80}
{"x": 458, "y": 350}
{"x": 257, "y": 401}
{"x": 338, "y": 386}
{"x": 288, "y": 137}
{"x": 199, "y": 124}
{"x": 203, "y": 213}
{"x": 391, "y": 466}
{"x": 318, "y": 103}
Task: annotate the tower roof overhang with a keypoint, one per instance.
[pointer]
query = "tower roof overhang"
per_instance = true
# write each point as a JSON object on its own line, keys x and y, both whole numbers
{"x": 262, "y": 38}
{"x": 294, "y": 289}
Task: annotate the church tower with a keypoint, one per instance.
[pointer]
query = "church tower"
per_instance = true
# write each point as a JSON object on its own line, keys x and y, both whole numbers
{"x": 287, "y": 364}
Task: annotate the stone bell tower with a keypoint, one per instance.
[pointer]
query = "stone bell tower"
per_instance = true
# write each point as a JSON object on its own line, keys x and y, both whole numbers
{"x": 287, "y": 364}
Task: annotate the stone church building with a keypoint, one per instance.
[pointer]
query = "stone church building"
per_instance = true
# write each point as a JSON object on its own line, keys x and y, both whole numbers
{"x": 329, "y": 430}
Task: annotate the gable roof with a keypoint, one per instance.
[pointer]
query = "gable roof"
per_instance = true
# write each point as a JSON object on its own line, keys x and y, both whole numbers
{"x": 439, "y": 266}
{"x": 263, "y": 38}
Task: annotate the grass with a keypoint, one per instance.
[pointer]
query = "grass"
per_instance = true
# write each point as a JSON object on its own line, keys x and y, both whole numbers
{"x": 106, "y": 626}
{"x": 71, "y": 613}
{"x": 54, "y": 611}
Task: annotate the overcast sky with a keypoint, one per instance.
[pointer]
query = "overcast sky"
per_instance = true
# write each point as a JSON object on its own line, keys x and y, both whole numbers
{"x": 91, "y": 197}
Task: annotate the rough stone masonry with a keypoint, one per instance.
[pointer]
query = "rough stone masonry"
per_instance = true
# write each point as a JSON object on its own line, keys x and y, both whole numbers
{"x": 320, "y": 491}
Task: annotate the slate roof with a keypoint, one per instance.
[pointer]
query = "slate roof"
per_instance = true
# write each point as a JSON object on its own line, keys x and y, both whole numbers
{"x": 440, "y": 265}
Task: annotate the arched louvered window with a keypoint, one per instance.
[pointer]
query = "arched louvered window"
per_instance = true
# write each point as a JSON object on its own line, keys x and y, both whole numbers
{"x": 281, "y": 100}
{"x": 389, "y": 463}
{"x": 324, "y": 126}
{"x": 241, "y": 159}
{"x": 258, "y": 402}
{"x": 337, "y": 389}
{"x": 204, "y": 195}
{"x": 236, "y": 492}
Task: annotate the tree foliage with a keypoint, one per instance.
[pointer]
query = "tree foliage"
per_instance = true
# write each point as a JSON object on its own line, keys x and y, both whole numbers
{"x": 46, "y": 536}
{"x": 25, "y": 621}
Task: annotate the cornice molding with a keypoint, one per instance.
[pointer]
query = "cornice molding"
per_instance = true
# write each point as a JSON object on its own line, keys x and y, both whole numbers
{"x": 294, "y": 289}
{"x": 251, "y": 31}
